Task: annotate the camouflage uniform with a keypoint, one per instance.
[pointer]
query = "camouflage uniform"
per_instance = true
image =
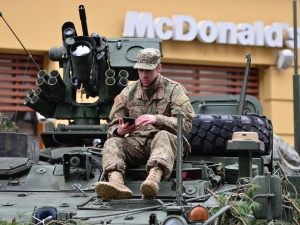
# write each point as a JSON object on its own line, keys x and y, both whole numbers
{"x": 153, "y": 145}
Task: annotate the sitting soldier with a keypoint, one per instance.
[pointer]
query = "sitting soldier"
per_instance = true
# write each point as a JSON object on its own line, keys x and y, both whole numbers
{"x": 154, "y": 102}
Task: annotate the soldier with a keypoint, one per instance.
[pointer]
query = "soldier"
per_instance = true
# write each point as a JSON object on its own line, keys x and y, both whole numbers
{"x": 153, "y": 101}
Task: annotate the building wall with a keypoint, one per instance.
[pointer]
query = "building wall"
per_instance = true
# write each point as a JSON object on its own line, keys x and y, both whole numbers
{"x": 38, "y": 26}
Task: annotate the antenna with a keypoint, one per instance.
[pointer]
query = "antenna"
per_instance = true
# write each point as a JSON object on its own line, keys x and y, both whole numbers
{"x": 244, "y": 86}
{"x": 179, "y": 181}
{"x": 30, "y": 56}
{"x": 296, "y": 90}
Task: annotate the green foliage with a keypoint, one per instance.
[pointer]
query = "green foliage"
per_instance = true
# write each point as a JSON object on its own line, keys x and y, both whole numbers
{"x": 6, "y": 125}
{"x": 18, "y": 220}
{"x": 253, "y": 188}
{"x": 297, "y": 204}
{"x": 9, "y": 223}
{"x": 14, "y": 222}
{"x": 241, "y": 206}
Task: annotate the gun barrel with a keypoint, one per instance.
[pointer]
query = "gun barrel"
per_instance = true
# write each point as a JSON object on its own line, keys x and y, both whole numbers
{"x": 83, "y": 20}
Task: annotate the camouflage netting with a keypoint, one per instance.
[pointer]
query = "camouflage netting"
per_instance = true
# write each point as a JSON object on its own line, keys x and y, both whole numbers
{"x": 286, "y": 155}
{"x": 6, "y": 125}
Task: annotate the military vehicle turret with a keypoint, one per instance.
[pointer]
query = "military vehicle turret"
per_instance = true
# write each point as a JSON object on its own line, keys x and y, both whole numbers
{"x": 229, "y": 177}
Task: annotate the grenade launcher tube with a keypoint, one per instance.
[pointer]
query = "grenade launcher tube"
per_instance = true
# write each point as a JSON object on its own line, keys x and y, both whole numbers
{"x": 44, "y": 86}
{"x": 110, "y": 88}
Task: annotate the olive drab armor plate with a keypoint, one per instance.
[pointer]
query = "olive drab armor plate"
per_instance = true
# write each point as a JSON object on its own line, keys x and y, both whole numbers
{"x": 56, "y": 184}
{"x": 226, "y": 105}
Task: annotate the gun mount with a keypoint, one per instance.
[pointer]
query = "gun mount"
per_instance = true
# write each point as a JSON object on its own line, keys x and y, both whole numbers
{"x": 231, "y": 140}
{"x": 99, "y": 67}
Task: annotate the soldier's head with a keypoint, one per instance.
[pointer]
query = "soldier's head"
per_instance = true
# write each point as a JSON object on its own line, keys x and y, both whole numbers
{"x": 148, "y": 65}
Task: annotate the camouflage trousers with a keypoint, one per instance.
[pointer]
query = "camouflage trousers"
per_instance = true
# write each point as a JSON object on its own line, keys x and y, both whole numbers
{"x": 158, "y": 151}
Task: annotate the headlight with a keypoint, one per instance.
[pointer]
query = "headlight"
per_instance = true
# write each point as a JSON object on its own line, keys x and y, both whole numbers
{"x": 174, "y": 220}
{"x": 198, "y": 213}
{"x": 44, "y": 214}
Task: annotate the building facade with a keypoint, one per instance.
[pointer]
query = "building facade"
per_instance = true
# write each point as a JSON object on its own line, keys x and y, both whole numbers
{"x": 204, "y": 44}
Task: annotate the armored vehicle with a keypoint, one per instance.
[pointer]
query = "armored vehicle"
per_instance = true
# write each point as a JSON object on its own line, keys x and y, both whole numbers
{"x": 230, "y": 176}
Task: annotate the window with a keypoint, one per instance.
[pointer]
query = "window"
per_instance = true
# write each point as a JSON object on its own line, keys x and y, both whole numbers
{"x": 16, "y": 80}
{"x": 17, "y": 76}
{"x": 208, "y": 81}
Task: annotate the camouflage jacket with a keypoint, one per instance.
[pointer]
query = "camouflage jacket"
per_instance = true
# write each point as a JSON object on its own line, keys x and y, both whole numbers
{"x": 168, "y": 98}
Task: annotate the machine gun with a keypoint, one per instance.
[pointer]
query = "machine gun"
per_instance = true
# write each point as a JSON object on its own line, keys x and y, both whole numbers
{"x": 97, "y": 66}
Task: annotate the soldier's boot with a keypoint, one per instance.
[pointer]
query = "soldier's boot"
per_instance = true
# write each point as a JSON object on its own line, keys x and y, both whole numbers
{"x": 150, "y": 186}
{"x": 115, "y": 188}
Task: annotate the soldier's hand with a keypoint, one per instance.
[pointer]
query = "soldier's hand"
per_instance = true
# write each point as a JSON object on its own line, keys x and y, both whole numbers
{"x": 145, "y": 120}
{"x": 125, "y": 128}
